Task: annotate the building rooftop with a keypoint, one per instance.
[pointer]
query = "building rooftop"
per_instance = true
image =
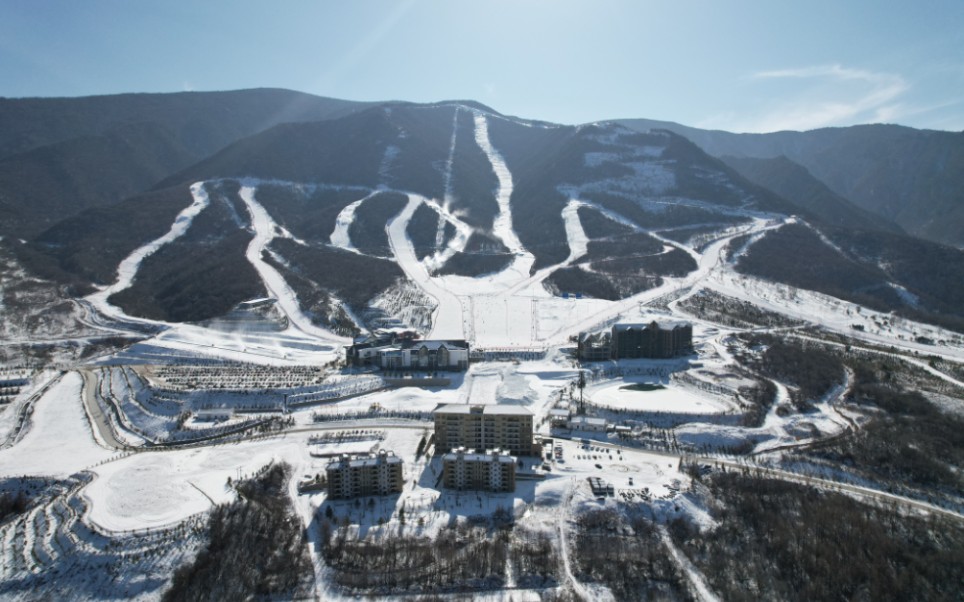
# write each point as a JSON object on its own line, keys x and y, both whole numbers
{"x": 384, "y": 341}
{"x": 470, "y": 455}
{"x": 484, "y": 409}
{"x": 370, "y": 460}
{"x": 662, "y": 325}
{"x": 587, "y": 420}
{"x": 434, "y": 344}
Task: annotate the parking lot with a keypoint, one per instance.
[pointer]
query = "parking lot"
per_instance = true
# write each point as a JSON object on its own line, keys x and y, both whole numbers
{"x": 635, "y": 475}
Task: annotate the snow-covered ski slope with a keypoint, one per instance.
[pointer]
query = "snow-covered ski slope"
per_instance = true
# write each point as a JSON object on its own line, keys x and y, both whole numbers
{"x": 448, "y": 321}
{"x": 265, "y": 230}
{"x": 502, "y": 227}
{"x": 511, "y": 308}
{"x": 300, "y": 342}
{"x": 127, "y": 270}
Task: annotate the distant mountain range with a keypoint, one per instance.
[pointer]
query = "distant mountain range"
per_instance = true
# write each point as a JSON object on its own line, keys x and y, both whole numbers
{"x": 59, "y": 156}
{"x": 603, "y": 210}
{"x": 914, "y": 178}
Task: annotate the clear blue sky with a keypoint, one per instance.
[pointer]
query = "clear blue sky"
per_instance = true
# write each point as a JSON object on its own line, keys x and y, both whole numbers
{"x": 738, "y": 65}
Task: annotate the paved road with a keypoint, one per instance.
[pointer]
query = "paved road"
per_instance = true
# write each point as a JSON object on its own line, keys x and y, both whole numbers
{"x": 94, "y": 413}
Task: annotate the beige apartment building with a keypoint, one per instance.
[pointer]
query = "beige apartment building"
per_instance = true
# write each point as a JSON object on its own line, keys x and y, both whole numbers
{"x": 467, "y": 470}
{"x": 484, "y": 427}
{"x": 375, "y": 474}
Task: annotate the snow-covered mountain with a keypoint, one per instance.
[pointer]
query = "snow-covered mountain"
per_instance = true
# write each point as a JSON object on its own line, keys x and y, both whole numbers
{"x": 907, "y": 176}
{"x": 350, "y": 208}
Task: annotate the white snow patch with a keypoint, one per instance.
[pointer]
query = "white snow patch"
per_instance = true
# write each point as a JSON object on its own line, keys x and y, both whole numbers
{"x": 575, "y": 235}
{"x": 162, "y": 488}
{"x": 447, "y": 321}
{"x": 60, "y": 441}
{"x": 502, "y": 227}
{"x": 462, "y": 233}
{"x": 339, "y": 236}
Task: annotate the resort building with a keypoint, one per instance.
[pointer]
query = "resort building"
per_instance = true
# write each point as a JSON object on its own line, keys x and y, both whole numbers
{"x": 588, "y": 423}
{"x": 467, "y": 470}
{"x": 559, "y": 417}
{"x": 375, "y": 474}
{"x": 630, "y": 341}
{"x": 594, "y": 346}
{"x": 653, "y": 340}
{"x": 484, "y": 427}
{"x": 392, "y": 352}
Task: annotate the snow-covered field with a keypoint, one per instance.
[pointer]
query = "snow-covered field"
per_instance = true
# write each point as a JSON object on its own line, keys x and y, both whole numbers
{"x": 59, "y": 442}
{"x": 623, "y": 395}
{"x": 147, "y": 490}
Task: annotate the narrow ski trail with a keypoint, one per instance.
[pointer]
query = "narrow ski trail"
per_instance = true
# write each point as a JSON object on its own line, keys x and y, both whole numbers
{"x": 264, "y": 232}
{"x": 339, "y": 236}
{"x": 502, "y": 226}
{"x": 129, "y": 266}
{"x": 447, "y": 319}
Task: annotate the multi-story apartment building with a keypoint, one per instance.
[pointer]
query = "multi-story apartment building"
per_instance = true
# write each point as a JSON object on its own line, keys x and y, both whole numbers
{"x": 376, "y": 474}
{"x": 484, "y": 427}
{"x": 465, "y": 469}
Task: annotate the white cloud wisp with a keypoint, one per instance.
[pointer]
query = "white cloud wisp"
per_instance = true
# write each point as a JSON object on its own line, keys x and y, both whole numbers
{"x": 822, "y": 96}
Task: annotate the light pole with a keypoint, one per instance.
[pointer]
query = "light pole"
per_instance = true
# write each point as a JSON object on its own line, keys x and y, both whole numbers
{"x": 582, "y": 385}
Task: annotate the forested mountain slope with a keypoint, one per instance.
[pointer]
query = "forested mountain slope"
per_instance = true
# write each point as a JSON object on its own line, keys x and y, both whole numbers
{"x": 911, "y": 177}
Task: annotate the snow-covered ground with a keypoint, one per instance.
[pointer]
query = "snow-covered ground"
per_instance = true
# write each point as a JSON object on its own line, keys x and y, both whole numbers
{"x": 502, "y": 227}
{"x": 339, "y": 237}
{"x": 448, "y": 322}
{"x": 59, "y": 442}
{"x": 157, "y": 489}
{"x": 623, "y": 395}
{"x": 509, "y": 311}
{"x": 301, "y": 342}
{"x": 837, "y": 315}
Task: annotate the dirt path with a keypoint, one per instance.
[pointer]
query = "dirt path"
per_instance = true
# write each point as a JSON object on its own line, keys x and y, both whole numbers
{"x": 697, "y": 581}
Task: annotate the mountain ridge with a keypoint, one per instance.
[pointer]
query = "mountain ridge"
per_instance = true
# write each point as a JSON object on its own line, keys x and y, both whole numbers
{"x": 650, "y": 198}
{"x": 911, "y": 177}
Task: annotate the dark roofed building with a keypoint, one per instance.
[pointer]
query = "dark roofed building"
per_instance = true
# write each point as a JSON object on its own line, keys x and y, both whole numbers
{"x": 594, "y": 346}
{"x": 653, "y": 340}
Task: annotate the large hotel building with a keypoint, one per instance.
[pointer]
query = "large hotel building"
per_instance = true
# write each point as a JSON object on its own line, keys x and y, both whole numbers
{"x": 630, "y": 341}
{"x": 492, "y": 426}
